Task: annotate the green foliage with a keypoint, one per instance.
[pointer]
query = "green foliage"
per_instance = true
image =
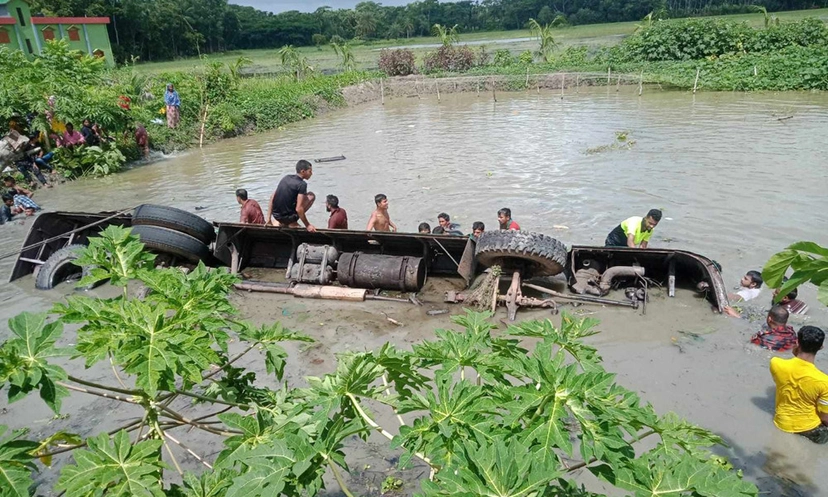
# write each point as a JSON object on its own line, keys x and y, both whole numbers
{"x": 119, "y": 466}
{"x": 503, "y": 58}
{"x": 546, "y": 41}
{"x": 295, "y": 63}
{"x": 85, "y": 161}
{"x": 809, "y": 262}
{"x": 489, "y": 416}
{"x": 346, "y": 53}
{"x": 117, "y": 255}
{"x": 16, "y": 463}
{"x": 24, "y": 360}
{"x": 447, "y": 35}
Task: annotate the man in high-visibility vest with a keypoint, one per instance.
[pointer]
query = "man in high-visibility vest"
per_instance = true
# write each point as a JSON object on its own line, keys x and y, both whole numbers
{"x": 634, "y": 232}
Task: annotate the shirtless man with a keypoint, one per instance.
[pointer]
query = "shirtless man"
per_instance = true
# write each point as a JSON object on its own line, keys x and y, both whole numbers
{"x": 380, "y": 220}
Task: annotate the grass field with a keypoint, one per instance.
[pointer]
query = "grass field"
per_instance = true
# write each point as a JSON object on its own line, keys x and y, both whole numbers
{"x": 321, "y": 59}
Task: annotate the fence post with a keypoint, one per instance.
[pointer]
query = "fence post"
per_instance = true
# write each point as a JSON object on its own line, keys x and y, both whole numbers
{"x": 696, "y": 83}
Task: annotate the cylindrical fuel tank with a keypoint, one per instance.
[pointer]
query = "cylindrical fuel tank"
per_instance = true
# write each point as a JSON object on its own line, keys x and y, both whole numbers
{"x": 388, "y": 272}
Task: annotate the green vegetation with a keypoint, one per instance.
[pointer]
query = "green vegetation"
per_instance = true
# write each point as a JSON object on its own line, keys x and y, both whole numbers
{"x": 487, "y": 415}
{"x": 809, "y": 262}
{"x": 64, "y": 86}
{"x": 152, "y": 30}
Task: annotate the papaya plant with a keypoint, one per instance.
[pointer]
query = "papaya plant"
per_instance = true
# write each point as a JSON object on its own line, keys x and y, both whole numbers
{"x": 487, "y": 412}
{"x": 809, "y": 262}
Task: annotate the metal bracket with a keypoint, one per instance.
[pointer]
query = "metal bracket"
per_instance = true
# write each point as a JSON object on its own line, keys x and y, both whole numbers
{"x": 513, "y": 296}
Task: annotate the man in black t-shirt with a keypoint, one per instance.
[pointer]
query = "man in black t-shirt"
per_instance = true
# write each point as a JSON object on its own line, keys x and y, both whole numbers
{"x": 291, "y": 200}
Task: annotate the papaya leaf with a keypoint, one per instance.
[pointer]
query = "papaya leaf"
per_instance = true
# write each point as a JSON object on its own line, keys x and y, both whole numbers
{"x": 268, "y": 338}
{"x": 53, "y": 440}
{"x": 24, "y": 359}
{"x": 116, "y": 465}
{"x": 209, "y": 484}
{"x": 822, "y": 293}
{"x": 810, "y": 247}
{"x": 116, "y": 255}
{"x": 16, "y": 463}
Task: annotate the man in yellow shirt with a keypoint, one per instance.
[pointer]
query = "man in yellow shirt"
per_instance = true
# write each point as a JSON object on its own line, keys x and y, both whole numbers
{"x": 802, "y": 389}
{"x": 634, "y": 232}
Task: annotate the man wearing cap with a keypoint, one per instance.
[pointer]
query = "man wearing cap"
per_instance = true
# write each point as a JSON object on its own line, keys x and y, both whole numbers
{"x": 634, "y": 232}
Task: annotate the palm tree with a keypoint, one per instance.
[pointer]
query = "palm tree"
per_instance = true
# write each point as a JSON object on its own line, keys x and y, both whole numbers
{"x": 448, "y": 36}
{"x": 298, "y": 65}
{"x": 343, "y": 50}
{"x": 646, "y": 23}
{"x": 366, "y": 24}
{"x": 769, "y": 19}
{"x": 544, "y": 36}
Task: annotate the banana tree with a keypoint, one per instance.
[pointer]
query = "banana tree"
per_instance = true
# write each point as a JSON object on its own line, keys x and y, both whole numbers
{"x": 545, "y": 39}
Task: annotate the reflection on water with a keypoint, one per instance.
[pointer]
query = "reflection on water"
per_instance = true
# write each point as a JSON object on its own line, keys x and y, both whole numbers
{"x": 735, "y": 183}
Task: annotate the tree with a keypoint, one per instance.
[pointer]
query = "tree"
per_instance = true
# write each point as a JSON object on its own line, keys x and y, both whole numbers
{"x": 546, "y": 15}
{"x": 545, "y": 39}
{"x": 448, "y": 36}
{"x": 344, "y": 51}
{"x": 297, "y": 64}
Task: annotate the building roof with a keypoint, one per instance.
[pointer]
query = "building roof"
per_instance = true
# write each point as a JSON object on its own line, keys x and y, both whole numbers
{"x": 69, "y": 20}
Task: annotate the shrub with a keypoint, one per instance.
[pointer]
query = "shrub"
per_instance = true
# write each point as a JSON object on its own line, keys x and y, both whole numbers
{"x": 397, "y": 62}
{"x": 449, "y": 58}
{"x": 319, "y": 39}
{"x": 89, "y": 161}
{"x": 572, "y": 57}
{"x": 526, "y": 57}
{"x": 503, "y": 58}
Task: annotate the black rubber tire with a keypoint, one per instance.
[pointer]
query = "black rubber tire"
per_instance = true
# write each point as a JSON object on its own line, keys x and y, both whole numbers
{"x": 167, "y": 241}
{"x": 174, "y": 219}
{"x": 535, "y": 253}
{"x": 59, "y": 268}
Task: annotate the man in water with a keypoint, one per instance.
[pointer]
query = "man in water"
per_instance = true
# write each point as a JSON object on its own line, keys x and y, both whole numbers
{"x": 448, "y": 227}
{"x": 776, "y": 334}
{"x": 802, "y": 389}
{"x": 251, "y": 211}
{"x": 477, "y": 229}
{"x": 11, "y": 184}
{"x": 790, "y": 302}
{"x": 749, "y": 287}
{"x": 339, "y": 218}
{"x": 424, "y": 228}
{"x": 291, "y": 200}
{"x": 380, "y": 220}
{"x": 504, "y": 218}
{"x": 634, "y": 232}
{"x": 20, "y": 204}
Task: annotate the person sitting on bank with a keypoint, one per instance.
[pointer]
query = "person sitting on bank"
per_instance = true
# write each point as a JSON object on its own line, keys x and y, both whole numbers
{"x": 749, "y": 287}
{"x": 424, "y": 228}
{"x": 90, "y": 136}
{"x": 71, "y": 138}
{"x": 42, "y": 159}
{"x": 802, "y": 389}
{"x": 20, "y": 204}
{"x": 634, "y": 232}
{"x": 339, "y": 217}
{"x": 380, "y": 219}
{"x": 477, "y": 229}
{"x": 776, "y": 334}
{"x": 789, "y": 301}
{"x": 251, "y": 211}
{"x": 11, "y": 185}
{"x": 142, "y": 140}
{"x": 504, "y": 218}
{"x": 291, "y": 200}
{"x": 438, "y": 230}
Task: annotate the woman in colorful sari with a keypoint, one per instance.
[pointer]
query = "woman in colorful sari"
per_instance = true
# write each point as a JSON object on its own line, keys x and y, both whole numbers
{"x": 173, "y": 104}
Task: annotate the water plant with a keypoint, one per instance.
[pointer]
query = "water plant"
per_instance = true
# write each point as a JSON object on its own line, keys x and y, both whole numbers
{"x": 484, "y": 413}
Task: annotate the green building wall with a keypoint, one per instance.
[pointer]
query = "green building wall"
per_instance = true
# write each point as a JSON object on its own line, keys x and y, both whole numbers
{"x": 25, "y": 34}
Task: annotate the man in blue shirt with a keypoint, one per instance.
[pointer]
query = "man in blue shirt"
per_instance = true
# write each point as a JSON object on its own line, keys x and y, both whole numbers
{"x": 20, "y": 204}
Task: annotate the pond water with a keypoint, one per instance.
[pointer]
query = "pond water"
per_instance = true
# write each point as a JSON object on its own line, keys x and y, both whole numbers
{"x": 737, "y": 177}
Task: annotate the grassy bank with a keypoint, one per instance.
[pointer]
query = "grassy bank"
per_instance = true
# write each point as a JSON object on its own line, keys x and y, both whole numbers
{"x": 367, "y": 54}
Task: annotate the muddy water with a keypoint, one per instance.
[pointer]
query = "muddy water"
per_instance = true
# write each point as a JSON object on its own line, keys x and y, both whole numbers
{"x": 734, "y": 181}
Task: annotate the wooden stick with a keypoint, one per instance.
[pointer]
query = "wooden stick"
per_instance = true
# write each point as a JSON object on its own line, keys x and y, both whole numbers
{"x": 578, "y": 83}
{"x": 494, "y": 95}
{"x": 527, "y": 78}
{"x": 618, "y": 83}
{"x": 563, "y": 84}
{"x": 382, "y": 91}
{"x": 203, "y": 123}
{"x": 641, "y": 84}
{"x": 478, "y": 88}
{"x": 696, "y": 83}
{"x": 609, "y": 75}
{"x": 437, "y": 84}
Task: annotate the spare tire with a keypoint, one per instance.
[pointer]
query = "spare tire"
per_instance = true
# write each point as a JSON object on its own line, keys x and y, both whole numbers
{"x": 174, "y": 219}
{"x": 167, "y": 241}
{"x": 59, "y": 268}
{"x": 535, "y": 253}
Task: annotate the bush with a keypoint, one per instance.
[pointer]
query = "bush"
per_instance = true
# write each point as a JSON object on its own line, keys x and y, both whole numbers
{"x": 89, "y": 161}
{"x": 397, "y": 62}
{"x": 572, "y": 57}
{"x": 319, "y": 39}
{"x": 449, "y": 58}
{"x": 503, "y": 58}
{"x": 526, "y": 57}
